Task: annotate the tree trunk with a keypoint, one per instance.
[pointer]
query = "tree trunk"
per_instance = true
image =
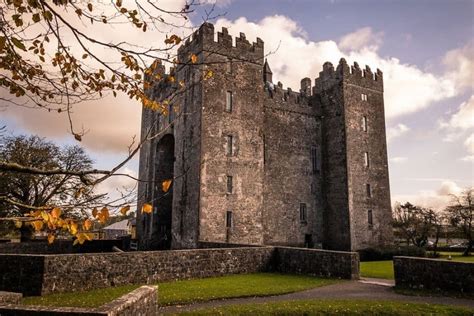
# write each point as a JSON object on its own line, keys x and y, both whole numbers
{"x": 468, "y": 248}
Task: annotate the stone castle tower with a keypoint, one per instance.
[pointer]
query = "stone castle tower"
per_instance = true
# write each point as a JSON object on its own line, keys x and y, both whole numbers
{"x": 256, "y": 164}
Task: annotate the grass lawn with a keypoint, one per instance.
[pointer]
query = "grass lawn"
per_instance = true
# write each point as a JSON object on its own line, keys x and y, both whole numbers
{"x": 335, "y": 307}
{"x": 187, "y": 291}
{"x": 456, "y": 256}
{"x": 377, "y": 269}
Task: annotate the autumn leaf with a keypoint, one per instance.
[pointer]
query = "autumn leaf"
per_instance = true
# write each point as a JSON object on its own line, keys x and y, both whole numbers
{"x": 194, "y": 58}
{"x": 147, "y": 208}
{"x": 103, "y": 215}
{"x": 56, "y": 212}
{"x": 51, "y": 238}
{"x": 73, "y": 228}
{"x": 18, "y": 43}
{"x": 95, "y": 212}
{"x": 45, "y": 216}
{"x": 209, "y": 75}
{"x": 37, "y": 225}
{"x": 18, "y": 224}
{"x": 165, "y": 185}
{"x": 124, "y": 210}
{"x": 87, "y": 225}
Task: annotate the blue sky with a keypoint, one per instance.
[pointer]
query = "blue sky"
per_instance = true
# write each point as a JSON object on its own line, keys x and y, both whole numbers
{"x": 424, "y": 48}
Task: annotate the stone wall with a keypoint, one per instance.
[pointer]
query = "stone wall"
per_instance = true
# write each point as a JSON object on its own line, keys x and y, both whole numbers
{"x": 45, "y": 274}
{"x": 331, "y": 264}
{"x": 61, "y": 247}
{"x": 434, "y": 274}
{"x": 142, "y": 301}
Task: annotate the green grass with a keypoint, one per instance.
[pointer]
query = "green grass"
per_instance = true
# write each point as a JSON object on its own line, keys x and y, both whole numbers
{"x": 187, "y": 291}
{"x": 456, "y": 256}
{"x": 377, "y": 269}
{"x": 93, "y": 298}
{"x": 335, "y": 307}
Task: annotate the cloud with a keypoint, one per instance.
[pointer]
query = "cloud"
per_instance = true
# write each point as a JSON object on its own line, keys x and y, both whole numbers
{"x": 408, "y": 89}
{"x": 398, "y": 159}
{"x": 397, "y": 131}
{"x": 464, "y": 118}
{"x": 361, "y": 38}
{"x": 469, "y": 145}
{"x": 460, "y": 65}
{"x": 436, "y": 199}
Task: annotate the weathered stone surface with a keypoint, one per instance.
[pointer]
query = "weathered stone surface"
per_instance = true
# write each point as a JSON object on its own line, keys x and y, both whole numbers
{"x": 140, "y": 302}
{"x": 434, "y": 274}
{"x": 292, "y": 153}
{"x": 45, "y": 274}
{"x": 10, "y": 297}
{"x": 331, "y": 264}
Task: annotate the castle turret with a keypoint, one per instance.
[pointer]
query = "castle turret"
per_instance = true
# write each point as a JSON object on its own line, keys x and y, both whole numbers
{"x": 267, "y": 73}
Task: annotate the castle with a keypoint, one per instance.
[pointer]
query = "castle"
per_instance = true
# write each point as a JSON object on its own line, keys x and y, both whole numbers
{"x": 254, "y": 163}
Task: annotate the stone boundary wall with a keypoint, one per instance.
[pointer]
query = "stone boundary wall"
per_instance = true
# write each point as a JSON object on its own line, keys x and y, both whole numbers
{"x": 324, "y": 263}
{"x": 45, "y": 274}
{"x": 10, "y": 298}
{"x": 434, "y": 274}
{"x": 61, "y": 246}
{"x": 142, "y": 301}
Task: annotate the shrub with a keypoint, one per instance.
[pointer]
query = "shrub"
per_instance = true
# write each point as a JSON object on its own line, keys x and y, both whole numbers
{"x": 387, "y": 253}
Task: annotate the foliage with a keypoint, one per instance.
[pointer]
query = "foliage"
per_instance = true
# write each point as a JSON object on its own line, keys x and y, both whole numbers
{"x": 377, "y": 269}
{"x": 334, "y": 307}
{"x": 177, "y": 292}
{"x": 387, "y": 253}
{"x": 461, "y": 215}
{"x": 416, "y": 223}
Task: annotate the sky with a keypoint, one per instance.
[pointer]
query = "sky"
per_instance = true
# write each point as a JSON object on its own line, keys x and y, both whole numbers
{"x": 424, "y": 48}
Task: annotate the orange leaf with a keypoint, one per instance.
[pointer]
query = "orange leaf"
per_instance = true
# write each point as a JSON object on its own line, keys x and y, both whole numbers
{"x": 73, "y": 228}
{"x": 87, "y": 224}
{"x": 147, "y": 208}
{"x": 95, "y": 212}
{"x": 18, "y": 224}
{"x": 194, "y": 58}
{"x": 38, "y": 225}
{"x": 51, "y": 238}
{"x": 124, "y": 210}
{"x": 56, "y": 212}
{"x": 165, "y": 185}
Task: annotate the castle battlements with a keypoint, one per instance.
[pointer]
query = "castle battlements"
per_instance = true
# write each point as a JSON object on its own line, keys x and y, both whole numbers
{"x": 203, "y": 39}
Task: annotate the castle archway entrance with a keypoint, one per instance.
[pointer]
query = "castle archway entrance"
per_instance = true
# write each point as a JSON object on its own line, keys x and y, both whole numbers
{"x": 163, "y": 201}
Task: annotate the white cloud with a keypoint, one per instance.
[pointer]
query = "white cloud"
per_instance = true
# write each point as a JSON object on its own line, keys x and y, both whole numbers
{"x": 469, "y": 145}
{"x": 436, "y": 199}
{"x": 361, "y": 38}
{"x": 463, "y": 118}
{"x": 460, "y": 65}
{"x": 396, "y": 131}
{"x": 407, "y": 88}
{"x": 398, "y": 159}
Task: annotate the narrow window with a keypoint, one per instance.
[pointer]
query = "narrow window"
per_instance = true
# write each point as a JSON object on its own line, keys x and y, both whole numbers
{"x": 170, "y": 114}
{"x": 370, "y": 219}
{"x": 314, "y": 159}
{"x": 228, "y": 102}
{"x": 228, "y": 219}
{"x": 368, "y": 189}
{"x": 363, "y": 97}
{"x": 229, "y": 65}
{"x": 302, "y": 212}
{"x": 364, "y": 123}
{"x": 366, "y": 159}
{"x": 230, "y": 144}
{"x": 229, "y": 184}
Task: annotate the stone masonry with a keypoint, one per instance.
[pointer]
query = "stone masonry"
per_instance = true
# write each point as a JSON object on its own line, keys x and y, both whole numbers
{"x": 257, "y": 164}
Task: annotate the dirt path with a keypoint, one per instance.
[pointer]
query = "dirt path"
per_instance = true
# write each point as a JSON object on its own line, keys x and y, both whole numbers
{"x": 366, "y": 289}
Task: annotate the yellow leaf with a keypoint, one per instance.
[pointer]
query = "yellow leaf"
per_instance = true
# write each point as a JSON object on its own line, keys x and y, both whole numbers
{"x": 38, "y": 225}
{"x": 165, "y": 185}
{"x": 124, "y": 210}
{"x": 73, "y": 228}
{"x": 56, "y": 212}
{"x": 81, "y": 238}
{"x": 194, "y": 58}
{"x": 95, "y": 212}
{"x": 45, "y": 216}
{"x": 209, "y": 75}
{"x": 51, "y": 238}
{"x": 76, "y": 241}
{"x": 87, "y": 224}
{"x": 89, "y": 236}
{"x": 18, "y": 224}
{"x": 147, "y": 208}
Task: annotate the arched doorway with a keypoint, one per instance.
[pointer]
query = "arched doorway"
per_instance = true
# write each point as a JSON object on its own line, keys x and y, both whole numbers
{"x": 163, "y": 201}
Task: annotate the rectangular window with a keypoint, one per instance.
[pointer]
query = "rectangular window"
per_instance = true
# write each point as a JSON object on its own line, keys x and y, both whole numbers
{"x": 228, "y": 219}
{"x": 366, "y": 159}
{"x": 229, "y": 65}
{"x": 364, "y": 123}
{"x": 363, "y": 97}
{"x": 303, "y": 212}
{"x": 228, "y": 101}
{"x": 229, "y": 184}
{"x": 314, "y": 159}
{"x": 368, "y": 190}
{"x": 230, "y": 145}
{"x": 370, "y": 219}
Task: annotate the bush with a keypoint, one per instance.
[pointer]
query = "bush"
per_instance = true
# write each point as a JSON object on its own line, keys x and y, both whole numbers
{"x": 387, "y": 253}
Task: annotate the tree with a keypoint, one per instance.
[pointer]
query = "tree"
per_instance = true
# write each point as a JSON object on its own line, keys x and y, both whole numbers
{"x": 461, "y": 215}
{"x": 416, "y": 223}
{"x": 22, "y": 193}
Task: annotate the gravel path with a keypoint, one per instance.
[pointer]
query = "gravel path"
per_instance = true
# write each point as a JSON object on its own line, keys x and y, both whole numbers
{"x": 366, "y": 289}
